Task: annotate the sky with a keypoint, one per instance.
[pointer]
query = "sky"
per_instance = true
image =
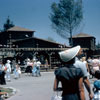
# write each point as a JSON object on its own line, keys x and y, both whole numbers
{"x": 34, "y": 15}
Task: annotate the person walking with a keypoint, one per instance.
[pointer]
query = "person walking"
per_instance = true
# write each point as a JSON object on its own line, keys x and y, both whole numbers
{"x": 29, "y": 67}
{"x": 8, "y": 71}
{"x": 38, "y": 68}
{"x": 2, "y": 73}
{"x": 96, "y": 64}
{"x": 86, "y": 64}
{"x": 17, "y": 71}
{"x": 82, "y": 66}
{"x": 69, "y": 76}
{"x": 46, "y": 65}
{"x": 34, "y": 69}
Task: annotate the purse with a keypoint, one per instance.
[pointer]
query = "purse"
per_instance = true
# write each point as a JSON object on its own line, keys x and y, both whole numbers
{"x": 56, "y": 96}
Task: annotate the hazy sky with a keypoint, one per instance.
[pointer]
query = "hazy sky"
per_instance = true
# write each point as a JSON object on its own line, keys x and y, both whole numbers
{"x": 34, "y": 15}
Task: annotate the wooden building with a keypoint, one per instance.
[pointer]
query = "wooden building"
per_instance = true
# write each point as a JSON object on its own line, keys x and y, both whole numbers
{"x": 15, "y": 33}
{"x": 86, "y": 41}
{"x": 20, "y": 43}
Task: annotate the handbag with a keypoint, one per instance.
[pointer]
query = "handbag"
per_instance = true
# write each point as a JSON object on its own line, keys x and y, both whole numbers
{"x": 56, "y": 96}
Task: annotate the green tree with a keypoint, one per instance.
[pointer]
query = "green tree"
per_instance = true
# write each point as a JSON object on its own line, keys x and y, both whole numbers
{"x": 66, "y": 16}
{"x": 8, "y": 24}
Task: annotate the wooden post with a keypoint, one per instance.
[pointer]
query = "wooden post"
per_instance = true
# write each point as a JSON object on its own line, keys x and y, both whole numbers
{"x": 50, "y": 61}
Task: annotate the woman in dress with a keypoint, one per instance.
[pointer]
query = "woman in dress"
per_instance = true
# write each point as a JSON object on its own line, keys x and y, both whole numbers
{"x": 29, "y": 67}
{"x": 69, "y": 76}
{"x": 17, "y": 71}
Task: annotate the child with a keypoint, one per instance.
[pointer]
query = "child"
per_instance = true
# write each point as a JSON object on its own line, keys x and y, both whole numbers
{"x": 96, "y": 88}
{"x": 17, "y": 71}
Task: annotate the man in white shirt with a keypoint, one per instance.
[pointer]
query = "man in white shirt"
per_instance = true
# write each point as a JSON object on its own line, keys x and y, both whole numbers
{"x": 8, "y": 71}
{"x": 38, "y": 68}
{"x": 80, "y": 64}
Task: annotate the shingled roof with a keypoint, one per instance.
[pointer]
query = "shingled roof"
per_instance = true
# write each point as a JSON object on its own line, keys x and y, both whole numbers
{"x": 41, "y": 40}
{"x": 82, "y": 35}
{"x": 17, "y": 28}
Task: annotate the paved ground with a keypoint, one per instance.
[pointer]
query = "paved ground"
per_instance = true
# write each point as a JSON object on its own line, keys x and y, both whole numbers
{"x": 33, "y": 88}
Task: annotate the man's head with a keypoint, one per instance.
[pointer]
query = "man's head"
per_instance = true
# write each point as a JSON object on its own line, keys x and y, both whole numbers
{"x": 80, "y": 53}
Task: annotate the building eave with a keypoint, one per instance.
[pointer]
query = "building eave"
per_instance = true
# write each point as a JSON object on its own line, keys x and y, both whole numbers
{"x": 18, "y": 29}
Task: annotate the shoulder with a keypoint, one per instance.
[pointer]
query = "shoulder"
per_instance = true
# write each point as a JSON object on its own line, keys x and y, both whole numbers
{"x": 79, "y": 71}
{"x": 79, "y": 64}
{"x": 82, "y": 66}
{"x": 59, "y": 71}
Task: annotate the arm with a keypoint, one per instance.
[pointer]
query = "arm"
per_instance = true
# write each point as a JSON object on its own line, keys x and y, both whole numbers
{"x": 55, "y": 84}
{"x": 81, "y": 89}
{"x": 87, "y": 67}
{"x": 87, "y": 85}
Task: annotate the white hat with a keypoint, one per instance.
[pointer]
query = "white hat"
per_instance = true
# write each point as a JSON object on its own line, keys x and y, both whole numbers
{"x": 28, "y": 59}
{"x": 8, "y": 61}
{"x": 34, "y": 59}
{"x": 69, "y": 54}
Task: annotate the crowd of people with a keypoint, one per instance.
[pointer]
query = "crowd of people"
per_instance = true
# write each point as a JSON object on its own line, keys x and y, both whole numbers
{"x": 32, "y": 68}
{"x": 74, "y": 72}
{"x": 5, "y": 70}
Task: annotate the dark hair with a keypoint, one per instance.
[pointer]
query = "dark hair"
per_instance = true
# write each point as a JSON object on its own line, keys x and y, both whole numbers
{"x": 72, "y": 61}
{"x": 97, "y": 74}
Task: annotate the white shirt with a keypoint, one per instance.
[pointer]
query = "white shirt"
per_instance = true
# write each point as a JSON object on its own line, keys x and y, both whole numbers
{"x": 8, "y": 67}
{"x": 38, "y": 63}
{"x": 82, "y": 66}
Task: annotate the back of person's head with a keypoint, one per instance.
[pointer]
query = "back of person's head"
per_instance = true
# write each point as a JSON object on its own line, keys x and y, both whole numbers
{"x": 97, "y": 85}
{"x": 97, "y": 74}
{"x": 68, "y": 56}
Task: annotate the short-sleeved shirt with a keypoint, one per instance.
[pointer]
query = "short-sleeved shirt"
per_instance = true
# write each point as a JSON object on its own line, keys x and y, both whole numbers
{"x": 38, "y": 63}
{"x": 80, "y": 64}
{"x": 95, "y": 64}
{"x": 69, "y": 77}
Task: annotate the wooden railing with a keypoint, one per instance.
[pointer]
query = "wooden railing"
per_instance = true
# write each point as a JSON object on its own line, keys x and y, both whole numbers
{"x": 31, "y": 49}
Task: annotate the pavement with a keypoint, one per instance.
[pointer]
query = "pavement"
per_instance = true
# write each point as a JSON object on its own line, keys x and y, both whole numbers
{"x": 34, "y": 88}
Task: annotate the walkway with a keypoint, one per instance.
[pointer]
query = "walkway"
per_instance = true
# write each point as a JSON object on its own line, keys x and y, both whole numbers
{"x": 33, "y": 88}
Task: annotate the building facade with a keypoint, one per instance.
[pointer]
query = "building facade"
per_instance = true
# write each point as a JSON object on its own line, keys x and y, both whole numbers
{"x": 86, "y": 41}
{"x": 19, "y": 43}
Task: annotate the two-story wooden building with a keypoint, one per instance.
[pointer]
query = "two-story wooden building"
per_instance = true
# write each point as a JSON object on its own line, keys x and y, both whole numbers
{"x": 20, "y": 43}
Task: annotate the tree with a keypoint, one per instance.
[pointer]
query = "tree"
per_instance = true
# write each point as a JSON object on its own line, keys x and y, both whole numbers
{"x": 66, "y": 16}
{"x": 8, "y": 24}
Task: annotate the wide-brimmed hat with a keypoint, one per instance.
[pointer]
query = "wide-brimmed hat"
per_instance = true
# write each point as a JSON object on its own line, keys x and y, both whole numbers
{"x": 69, "y": 54}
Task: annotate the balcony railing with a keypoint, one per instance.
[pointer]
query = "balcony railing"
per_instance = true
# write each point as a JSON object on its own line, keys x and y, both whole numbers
{"x": 32, "y": 49}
